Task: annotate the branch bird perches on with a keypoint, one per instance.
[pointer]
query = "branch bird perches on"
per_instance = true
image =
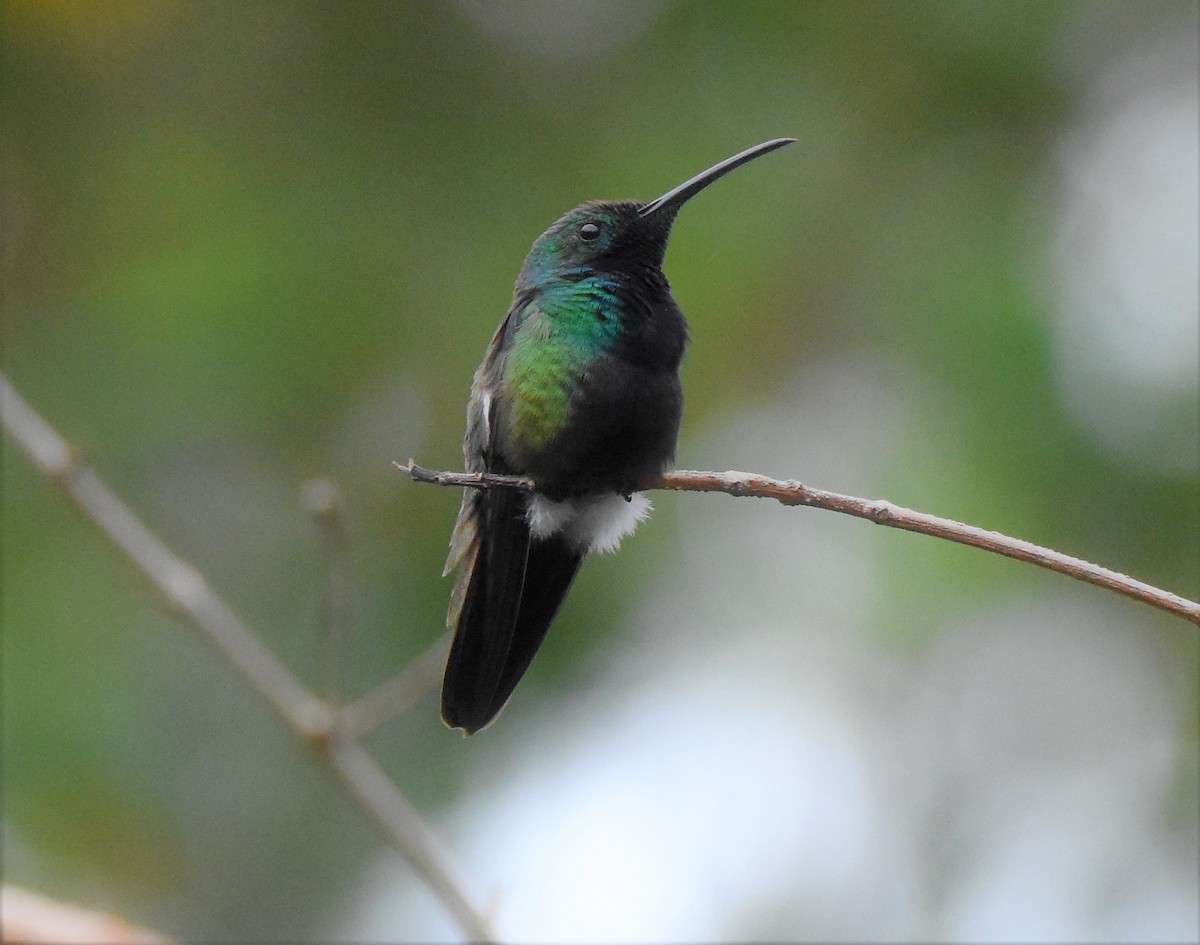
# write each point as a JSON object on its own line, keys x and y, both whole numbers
{"x": 879, "y": 511}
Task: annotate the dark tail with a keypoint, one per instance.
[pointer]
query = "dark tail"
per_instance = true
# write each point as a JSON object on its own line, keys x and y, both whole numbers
{"x": 552, "y": 567}
{"x": 515, "y": 588}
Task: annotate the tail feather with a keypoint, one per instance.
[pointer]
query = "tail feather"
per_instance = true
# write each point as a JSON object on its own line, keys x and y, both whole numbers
{"x": 551, "y": 569}
{"x": 487, "y": 600}
{"x": 508, "y": 592}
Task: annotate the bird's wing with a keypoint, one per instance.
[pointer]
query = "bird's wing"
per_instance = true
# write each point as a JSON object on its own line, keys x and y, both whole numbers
{"x": 478, "y": 443}
{"x": 489, "y": 546}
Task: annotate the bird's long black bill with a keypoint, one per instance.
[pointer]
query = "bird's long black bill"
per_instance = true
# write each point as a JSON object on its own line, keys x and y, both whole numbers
{"x": 673, "y": 199}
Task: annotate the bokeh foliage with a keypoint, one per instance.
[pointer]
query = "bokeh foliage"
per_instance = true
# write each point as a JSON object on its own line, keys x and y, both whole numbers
{"x": 251, "y": 243}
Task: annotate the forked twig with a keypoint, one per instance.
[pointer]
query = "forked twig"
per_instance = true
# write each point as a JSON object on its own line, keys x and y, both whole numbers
{"x": 397, "y": 695}
{"x": 186, "y": 591}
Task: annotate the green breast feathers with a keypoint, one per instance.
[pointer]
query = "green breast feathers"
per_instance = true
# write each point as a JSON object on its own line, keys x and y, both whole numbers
{"x": 554, "y": 342}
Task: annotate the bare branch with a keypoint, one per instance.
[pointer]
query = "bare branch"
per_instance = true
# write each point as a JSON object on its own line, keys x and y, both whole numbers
{"x": 407, "y": 830}
{"x": 879, "y": 511}
{"x": 31, "y": 917}
{"x": 398, "y": 694}
{"x": 181, "y": 585}
{"x": 186, "y": 591}
{"x": 323, "y": 500}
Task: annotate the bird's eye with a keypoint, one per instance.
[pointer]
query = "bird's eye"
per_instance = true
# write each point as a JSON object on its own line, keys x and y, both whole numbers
{"x": 588, "y": 232}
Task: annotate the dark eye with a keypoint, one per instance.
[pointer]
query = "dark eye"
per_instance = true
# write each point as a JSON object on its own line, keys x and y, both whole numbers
{"x": 588, "y": 232}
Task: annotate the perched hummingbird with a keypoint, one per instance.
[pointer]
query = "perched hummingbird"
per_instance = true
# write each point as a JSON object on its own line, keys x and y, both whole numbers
{"x": 579, "y": 390}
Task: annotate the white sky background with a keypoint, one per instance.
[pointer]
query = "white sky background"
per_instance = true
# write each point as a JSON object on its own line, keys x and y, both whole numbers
{"x": 1127, "y": 260}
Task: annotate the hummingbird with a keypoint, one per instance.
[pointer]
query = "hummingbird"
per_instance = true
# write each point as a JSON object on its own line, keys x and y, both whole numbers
{"x": 579, "y": 391}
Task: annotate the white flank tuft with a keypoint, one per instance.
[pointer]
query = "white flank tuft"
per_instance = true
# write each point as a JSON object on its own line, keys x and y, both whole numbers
{"x": 593, "y": 524}
{"x": 548, "y": 518}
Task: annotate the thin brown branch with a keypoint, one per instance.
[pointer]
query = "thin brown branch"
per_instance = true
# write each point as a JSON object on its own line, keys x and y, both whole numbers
{"x": 186, "y": 591}
{"x": 397, "y": 695}
{"x": 879, "y": 511}
{"x": 32, "y": 917}
{"x": 181, "y": 585}
{"x": 408, "y": 832}
{"x": 323, "y": 500}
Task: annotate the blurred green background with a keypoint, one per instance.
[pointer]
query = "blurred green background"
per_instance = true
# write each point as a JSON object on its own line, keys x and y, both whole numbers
{"x": 250, "y": 243}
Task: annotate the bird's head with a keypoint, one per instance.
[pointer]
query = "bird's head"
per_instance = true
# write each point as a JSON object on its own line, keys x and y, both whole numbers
{"x": 620, "y": 236}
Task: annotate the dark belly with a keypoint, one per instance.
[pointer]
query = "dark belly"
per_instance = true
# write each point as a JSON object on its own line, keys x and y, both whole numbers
{"x": 620, "y": 432}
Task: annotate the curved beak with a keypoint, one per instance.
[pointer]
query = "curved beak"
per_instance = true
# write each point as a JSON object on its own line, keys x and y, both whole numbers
{"x": 670, "y": 202}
